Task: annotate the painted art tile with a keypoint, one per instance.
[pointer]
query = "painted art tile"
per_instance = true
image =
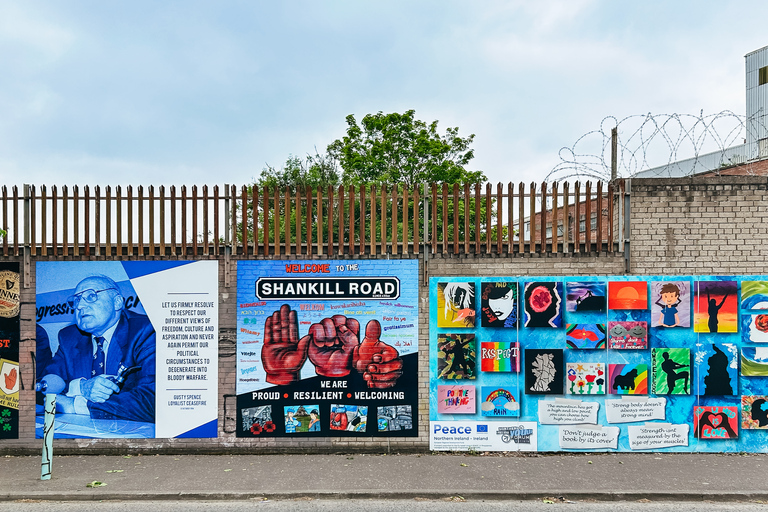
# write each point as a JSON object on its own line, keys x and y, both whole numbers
{"x": 715, "y": 422}
{"x": 585, "y": 296}
{"x": 498, "y": 356}
{"x": 717, "y": 369}
{"x": 456, "y": 356}
{"x": 544, "y": 371}
{"x": 498, "y": 304}
{"x": 716, "y": 306}
{"x": 456, "y": 304}
{"x": 500, "y": 401}
{"x": 391, "y": 418}
{"x": 628, "y": 335}
{"x": 671, "y": 304}
{"x": 754, "y": 295}
{"x": 302, "y": 418}
{"x": 754, "y": 412}
{"x": 671, "y": 368}
{"x": 754, "y": 361}
{"x": 585, "y": 336}
{"x": 258, "y": 419}
{"x": 585, "y": 378}
{"x": 628, "y": 379}
{"x": 754, "y": 328}
{"x": 456, "y": 399}
{"x": 351, "y": 418}
{"x": 543, "y": 304}
{"x": 627, "y": 295}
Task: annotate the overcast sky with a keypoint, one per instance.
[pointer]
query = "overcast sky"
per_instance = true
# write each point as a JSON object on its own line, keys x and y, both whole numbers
{"x": 148, "y": 92}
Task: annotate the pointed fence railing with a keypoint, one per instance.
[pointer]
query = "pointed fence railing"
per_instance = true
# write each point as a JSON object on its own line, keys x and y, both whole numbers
{"x": 345, "y": 221}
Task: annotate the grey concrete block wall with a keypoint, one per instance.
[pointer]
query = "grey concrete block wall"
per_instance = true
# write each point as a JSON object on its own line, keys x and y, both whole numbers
{"x": 682, "y": 226}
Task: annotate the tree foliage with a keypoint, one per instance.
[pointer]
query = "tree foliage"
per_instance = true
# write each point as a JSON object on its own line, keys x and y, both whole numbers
{"x": 399, "y": 149}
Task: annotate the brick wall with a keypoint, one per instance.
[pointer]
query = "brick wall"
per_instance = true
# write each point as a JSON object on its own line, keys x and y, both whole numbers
{"x": 699, "y": 225}
{"x": 679, "y": 226}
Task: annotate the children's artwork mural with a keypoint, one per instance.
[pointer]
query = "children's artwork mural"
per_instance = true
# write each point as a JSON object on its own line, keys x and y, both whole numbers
{"x": 544, "y": 371}
{"x": 543, "y": 304}
{"x": 585, "y": 378}
{"x": 671, "y": 304}
{"x": 585, "y": 296}
{"x": 627, "y": 295}
{"x": 754, "y": 328}
{"x": 716, "y": 422}
{"x": 456, "y": 356}
{"x": 499, "y": 356}
{"x": 348, "y": 418}
{"x": 498, "y": 304}
{"x": 671, "y": 371}
{"x": 456, "y": 399}
{"x": 457, "y": 304}
{"x": 650, "y": 383}
{"x": 628, "y": 335}
{"x": 585, "y": 336}
{"x": 628, "y": 379}
{"x": 754, "y": 361}
{"x": 502, "y": 401}
{"x": 754, "y": 295}
{"x": 716, "y": 306}
{"x": 754, "y": 412}
{"x": 333, "y": 340}
{"x": 717, "y": 369}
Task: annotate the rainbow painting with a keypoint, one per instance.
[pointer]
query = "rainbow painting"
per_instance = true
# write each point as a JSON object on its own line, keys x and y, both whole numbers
{"x": 628, "y": 379}
{"x": 499, "y": 356}
{"x": 500, "y": 401}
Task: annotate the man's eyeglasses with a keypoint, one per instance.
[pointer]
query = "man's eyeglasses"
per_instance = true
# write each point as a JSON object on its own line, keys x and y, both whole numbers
{"x": 89, "y": 296}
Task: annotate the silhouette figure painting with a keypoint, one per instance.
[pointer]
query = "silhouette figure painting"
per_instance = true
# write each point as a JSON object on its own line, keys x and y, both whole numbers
{"x": 672, "y": 304}
{"x": 717, "y": 368}
{"x": 716, "y": 306}
{"x": 544, "y": 371}
{"x": 754, "y": 412}
{"x": 543, "y": 304}
{"x": 710, "y": 422}
{"x": 628, "y": 335}
{"x": 585, "y": 296}
{"x": 628, "y": 379}
{"x": 627, "y": 295}
{"x": 455, "y": 356}
{"x": 671, "y": 371}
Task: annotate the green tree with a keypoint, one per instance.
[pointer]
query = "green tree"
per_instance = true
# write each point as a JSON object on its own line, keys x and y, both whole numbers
{"x": 399, "y": 149}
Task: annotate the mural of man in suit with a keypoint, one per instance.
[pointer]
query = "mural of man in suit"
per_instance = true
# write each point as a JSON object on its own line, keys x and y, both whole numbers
{"x": 91, "y": 352}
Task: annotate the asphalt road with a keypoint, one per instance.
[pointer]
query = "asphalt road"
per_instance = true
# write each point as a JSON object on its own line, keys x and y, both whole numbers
{"x": 307, "y": 504}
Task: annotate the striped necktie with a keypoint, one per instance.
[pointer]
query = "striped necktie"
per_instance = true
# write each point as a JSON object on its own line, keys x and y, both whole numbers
{"x": 98, "y": 357}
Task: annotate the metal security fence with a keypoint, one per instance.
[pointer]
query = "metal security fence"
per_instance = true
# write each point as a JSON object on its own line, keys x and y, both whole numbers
{"x": 452, "y": 219}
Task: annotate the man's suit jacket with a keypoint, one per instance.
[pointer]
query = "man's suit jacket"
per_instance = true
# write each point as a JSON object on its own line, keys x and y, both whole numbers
{"x": 133, "y": 344}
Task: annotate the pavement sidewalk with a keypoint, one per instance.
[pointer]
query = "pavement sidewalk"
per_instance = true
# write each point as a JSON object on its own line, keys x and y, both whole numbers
{"x": 495, "y": 476}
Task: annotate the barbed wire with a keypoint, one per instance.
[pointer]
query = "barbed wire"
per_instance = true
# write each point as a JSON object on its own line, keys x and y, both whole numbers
{"x": 663, "y": 145}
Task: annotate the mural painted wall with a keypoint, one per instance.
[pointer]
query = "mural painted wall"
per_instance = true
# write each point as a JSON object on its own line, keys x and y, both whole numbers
{"x": 616, "y": 363}
{"x": 10, "y": 378}
{"x": 130, "y": 348}
{"x": 328, "y": 348}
